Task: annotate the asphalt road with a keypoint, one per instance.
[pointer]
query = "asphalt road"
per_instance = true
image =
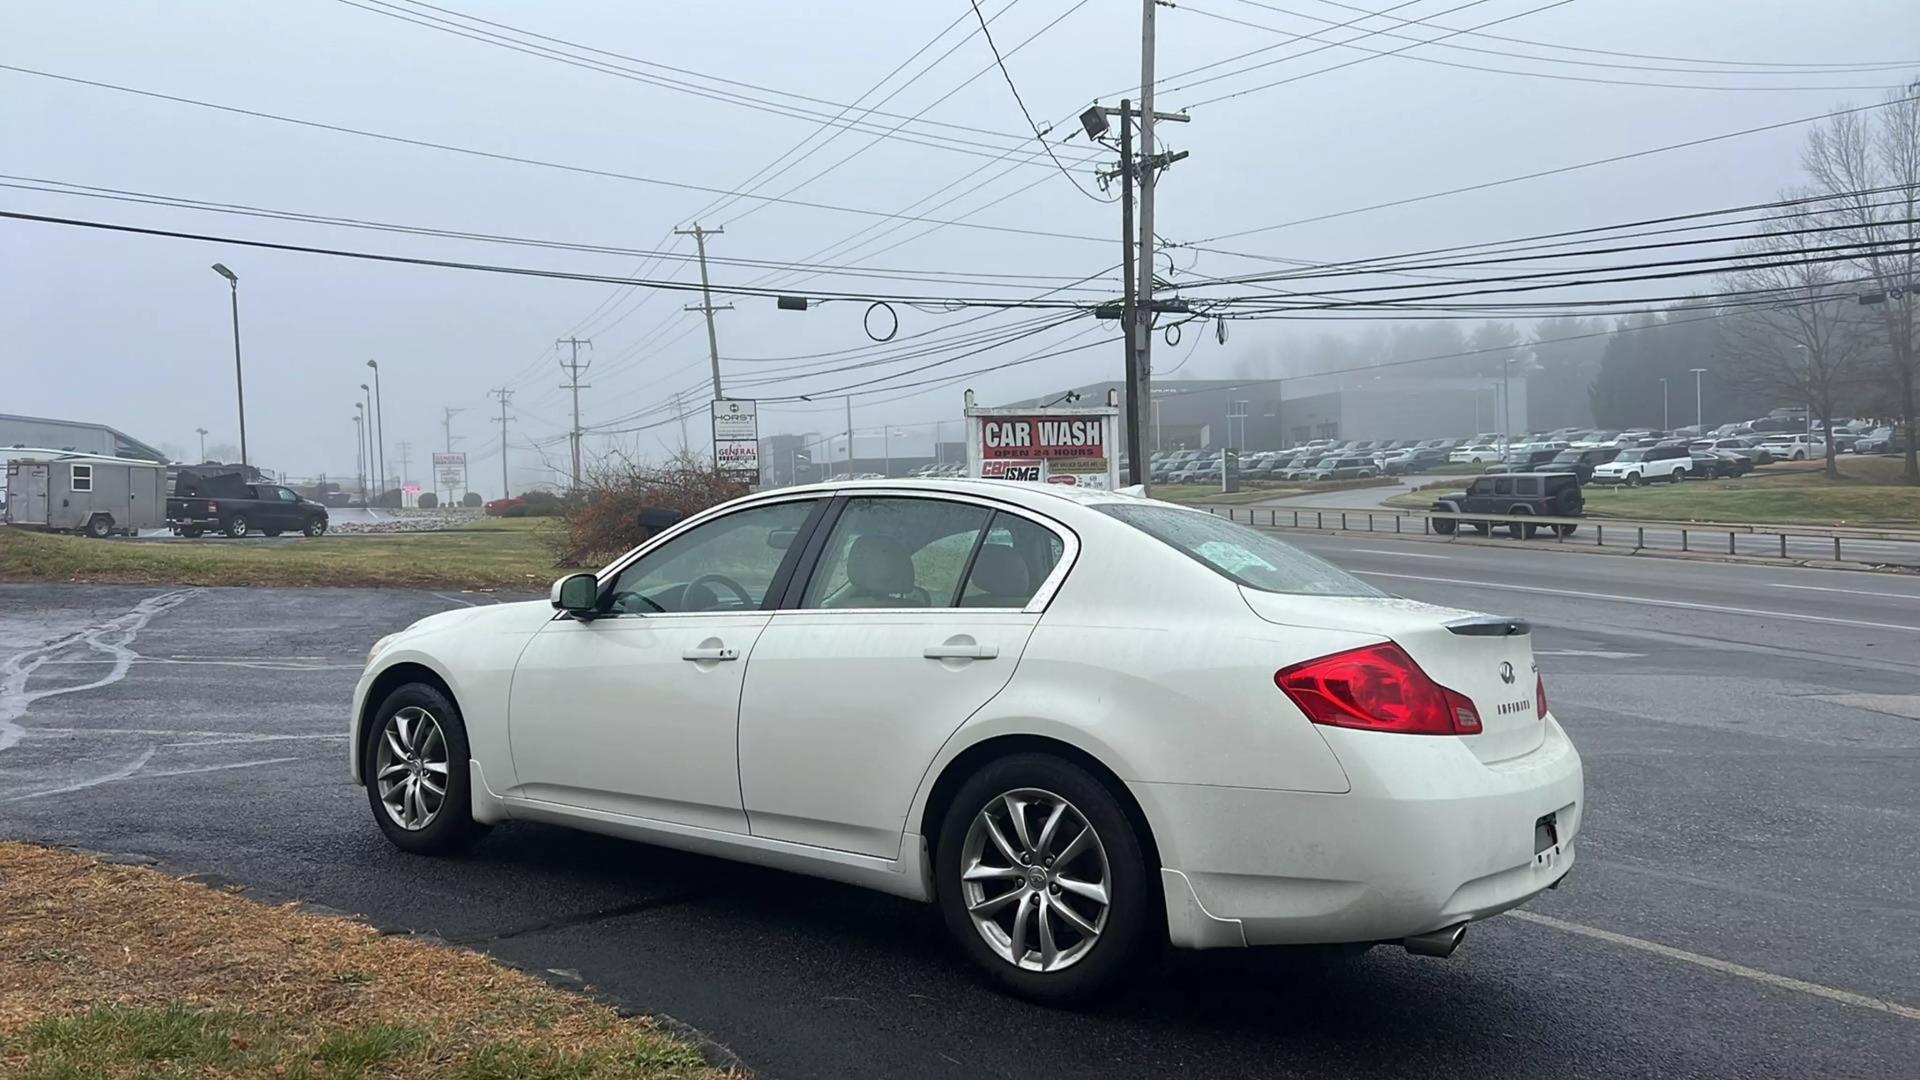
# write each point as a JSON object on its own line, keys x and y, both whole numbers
{"x": 1745, "y": 904}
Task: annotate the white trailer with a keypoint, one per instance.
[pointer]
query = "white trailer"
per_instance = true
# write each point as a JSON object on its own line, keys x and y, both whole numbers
{"x": 1073, "y": 445}
{"x": 58, "y": 491}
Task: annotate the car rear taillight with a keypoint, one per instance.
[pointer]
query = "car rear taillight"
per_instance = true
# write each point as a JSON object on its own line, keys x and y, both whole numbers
{"x": 212, "y": 507}
{"x": 1377, "y": 688}
{"x": 1540, "y": 695}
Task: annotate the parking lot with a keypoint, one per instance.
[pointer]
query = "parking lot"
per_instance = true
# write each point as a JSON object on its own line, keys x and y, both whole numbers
{"x": 1744, "y": 903}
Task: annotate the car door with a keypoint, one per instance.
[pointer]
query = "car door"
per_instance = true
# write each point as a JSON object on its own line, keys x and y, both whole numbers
{"x": 635, "y": 712}
{"x": 913, "y": 617}
{"x": 280, "y": 510}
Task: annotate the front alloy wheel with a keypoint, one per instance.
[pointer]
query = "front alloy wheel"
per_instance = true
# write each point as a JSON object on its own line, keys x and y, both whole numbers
{"x": 411, "y": 766}
{"x": 1035, "y": 880}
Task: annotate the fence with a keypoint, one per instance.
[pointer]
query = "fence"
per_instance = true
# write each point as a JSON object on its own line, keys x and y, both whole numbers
{"x": 1904, "y": 544}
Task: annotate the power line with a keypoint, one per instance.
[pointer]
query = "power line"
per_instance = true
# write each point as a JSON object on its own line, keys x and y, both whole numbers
{"x": 1613, "y": 159}
{"x": 519, "y": 160}
{"x": 521, "y": 271}
{"x": 1008, "y": 75}
{"x": 1358, "y": 60}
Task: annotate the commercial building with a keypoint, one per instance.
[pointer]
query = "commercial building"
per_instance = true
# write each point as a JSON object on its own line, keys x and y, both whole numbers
{"x": 45, "y": 433}
{"x": 1262, "y": 414}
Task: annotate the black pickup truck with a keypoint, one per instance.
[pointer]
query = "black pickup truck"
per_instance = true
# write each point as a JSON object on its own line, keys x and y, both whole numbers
{"x": 237, "y": 509}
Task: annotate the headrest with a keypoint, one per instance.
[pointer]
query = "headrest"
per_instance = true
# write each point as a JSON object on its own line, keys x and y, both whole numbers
{"x": 879, "y": 566}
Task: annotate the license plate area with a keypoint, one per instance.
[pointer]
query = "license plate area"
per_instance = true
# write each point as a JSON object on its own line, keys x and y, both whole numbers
{"x": 1546, "y": 837}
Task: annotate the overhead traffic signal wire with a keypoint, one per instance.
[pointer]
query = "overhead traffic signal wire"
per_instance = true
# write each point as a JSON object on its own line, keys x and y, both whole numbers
{"x": 1017, "y": 100}
{"x": 1559, "y": 170}
{"x": 537, "y": 162}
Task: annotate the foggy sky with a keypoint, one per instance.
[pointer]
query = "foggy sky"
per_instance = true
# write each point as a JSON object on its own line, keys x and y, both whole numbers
{"x": 134, "y": 332}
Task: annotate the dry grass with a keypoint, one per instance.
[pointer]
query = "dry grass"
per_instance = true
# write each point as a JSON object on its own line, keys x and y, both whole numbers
{"x": 118, "y": 971}
{"x": 492, "y": 554}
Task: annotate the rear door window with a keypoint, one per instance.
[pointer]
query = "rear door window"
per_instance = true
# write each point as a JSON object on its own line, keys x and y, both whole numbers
{"x": 1012, "y": 561}
{"x": 1503, "y": 486}
{"x": 1238, "y": 553}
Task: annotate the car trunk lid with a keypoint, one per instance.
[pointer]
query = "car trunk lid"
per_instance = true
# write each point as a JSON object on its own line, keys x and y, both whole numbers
{"x": 1488, "y": 658}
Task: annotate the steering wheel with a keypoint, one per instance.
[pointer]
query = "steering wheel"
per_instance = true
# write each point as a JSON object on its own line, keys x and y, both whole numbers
{"x": 721, "y": 579}
{"x": 630, "y": 603}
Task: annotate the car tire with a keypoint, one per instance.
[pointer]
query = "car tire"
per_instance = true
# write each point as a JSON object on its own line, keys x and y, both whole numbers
{"x": 270, "y": 532}
{"x": 315, "y": 526}
{"x": 100, "y": 526}
{"x": 235, "y": 526}
{"x": 1633, "y": 479}
{"x": 984, "y": 913}
{"x": 1445, "y": 526}
{"x": 193, "y": 532}
{"x": 1521, "y": 530}
{"x": 1566, "y": 530}
{"x": 1677, "y": 476}
{"x": 416, "y": 822}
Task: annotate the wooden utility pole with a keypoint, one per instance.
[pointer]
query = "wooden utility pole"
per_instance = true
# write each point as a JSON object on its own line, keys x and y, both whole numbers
{"x": 706, "y": 306}
{"x": 503, "y": 394}
{"x": 573, "y": 368}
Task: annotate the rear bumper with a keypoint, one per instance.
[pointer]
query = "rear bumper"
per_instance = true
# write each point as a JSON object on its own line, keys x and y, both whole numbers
{"x": 1429, "y": 836}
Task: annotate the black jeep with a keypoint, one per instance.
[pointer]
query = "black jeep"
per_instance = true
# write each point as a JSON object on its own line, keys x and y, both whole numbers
{"x": 1512, "y": 494}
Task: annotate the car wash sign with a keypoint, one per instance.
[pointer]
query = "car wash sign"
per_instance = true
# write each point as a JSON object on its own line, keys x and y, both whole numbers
{"x": 1072, "y": 446}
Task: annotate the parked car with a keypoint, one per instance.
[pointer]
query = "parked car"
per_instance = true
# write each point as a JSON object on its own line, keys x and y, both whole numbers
{"x": 1349, "y": 467}
{"x": 973, "y": 755}
{"x": 1416, "y": 460}
{"x": 1645, "y": 464}
{"x": 1509, "y": 494}
{"x": 1580, "y": 462}
{"x": 1524, "y": 459}
{"x": 1475, "y": 454}
{"x": 268, "y": 508}
{"x": 1752, "y": 449}
{"x": 1795, "y": 447}
{"x": 1883, "y": 440}
{"x": 1716, "y": 464}
{"x": 498, "y": 507}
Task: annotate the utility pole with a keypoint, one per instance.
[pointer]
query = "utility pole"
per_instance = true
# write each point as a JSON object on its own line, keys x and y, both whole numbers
{"x": 202, "y": 432}
{"x": 1698, "y": 412}
{"x": 1665, "y": 420}
{"x": 405, "y": 448}
{"x": 573, "y": 368}
{"x": 446, "y": 424}
{"x": 1141, "y": 388}
{"x": 1137, "y": 472}
{"x": 849, "y": 401}
{"x": 706, "y": 298}
{"x": 503, "y": 394}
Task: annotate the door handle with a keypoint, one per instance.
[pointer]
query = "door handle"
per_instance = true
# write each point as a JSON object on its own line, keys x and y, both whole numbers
{"x": 717, "y": 652}
{"x": 961, "y": 652}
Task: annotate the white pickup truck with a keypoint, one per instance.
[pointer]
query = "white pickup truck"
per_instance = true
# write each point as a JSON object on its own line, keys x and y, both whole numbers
{"x": 1645, "y": 464}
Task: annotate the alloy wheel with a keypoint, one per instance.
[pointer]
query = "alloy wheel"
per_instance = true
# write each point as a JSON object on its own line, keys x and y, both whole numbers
{"x": 410, "y": 769}
{"x": 1035, "y": 880}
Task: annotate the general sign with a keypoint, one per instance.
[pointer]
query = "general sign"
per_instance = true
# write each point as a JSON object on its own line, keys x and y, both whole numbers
{"x": 737, "y": 455}
{"x": 450, "y": 471}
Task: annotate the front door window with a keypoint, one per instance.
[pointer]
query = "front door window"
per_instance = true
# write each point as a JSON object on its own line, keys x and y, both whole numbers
{"x": 728, "y": 564}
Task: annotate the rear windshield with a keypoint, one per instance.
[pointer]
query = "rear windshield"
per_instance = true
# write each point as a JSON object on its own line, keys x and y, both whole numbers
{"x": 1242, "y": 554}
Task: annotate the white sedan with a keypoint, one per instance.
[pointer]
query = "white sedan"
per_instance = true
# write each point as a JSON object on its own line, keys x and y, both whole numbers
{"x": 1082, "y": 723}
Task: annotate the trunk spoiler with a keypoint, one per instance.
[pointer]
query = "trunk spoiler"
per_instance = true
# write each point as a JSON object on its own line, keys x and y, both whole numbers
{"x": 1490, "y": 626}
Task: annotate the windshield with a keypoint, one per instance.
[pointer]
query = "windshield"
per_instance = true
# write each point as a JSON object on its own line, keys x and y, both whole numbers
{"x": 1241, "y": 554}
{"x": 1632, "y": 455}
{"x": 1567, "y": 457}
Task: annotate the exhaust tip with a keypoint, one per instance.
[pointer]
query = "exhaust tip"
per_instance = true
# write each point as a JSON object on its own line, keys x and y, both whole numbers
{"x": 1439, "y": 943}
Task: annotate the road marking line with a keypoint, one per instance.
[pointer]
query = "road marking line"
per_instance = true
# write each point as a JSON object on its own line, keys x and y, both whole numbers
{"x": 1645, "y": 600}
{"x": 1855, "y": 592}
{"x": 1400, "y": 554}
{"x": 217, "y": 768}
{"x": 1597, "y": 653}
{"x": 1726, "y": 967}
{"x": 118, "y": 774}
{"x": 114, "y": 638}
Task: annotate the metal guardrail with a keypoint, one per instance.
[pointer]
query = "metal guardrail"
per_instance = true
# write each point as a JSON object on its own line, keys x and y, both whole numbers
{"x": 1378, "y": 519}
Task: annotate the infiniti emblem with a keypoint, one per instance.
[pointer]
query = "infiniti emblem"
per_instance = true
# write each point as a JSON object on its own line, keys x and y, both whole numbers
{"x": 1506, "y": 672}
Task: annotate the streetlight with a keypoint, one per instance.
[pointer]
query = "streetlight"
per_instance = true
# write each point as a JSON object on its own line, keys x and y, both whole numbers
{"x": 360, "y": 452}
{"x": 202, "y": 432}
{"x": 239, "y": 388}
{"x": 379, "y": 424}
{"x": 367, "y": 408}
{"x": 1663, "y": 406}
{"x": 1698, "y": 412}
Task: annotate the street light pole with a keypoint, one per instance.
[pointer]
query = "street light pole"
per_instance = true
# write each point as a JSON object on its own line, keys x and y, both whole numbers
{"x": 1665, "y": 424}
{"x": 202, "y": 432}
{"x": 368, "y": 407}
{"x": 360, "y": 453}
{"x": 1699, "y": 413}
{"x": 379, "y": 426}
{"x": 239, "y": 385}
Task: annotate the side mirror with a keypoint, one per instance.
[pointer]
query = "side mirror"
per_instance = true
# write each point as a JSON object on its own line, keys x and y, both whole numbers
{"x": 577, "y": 595}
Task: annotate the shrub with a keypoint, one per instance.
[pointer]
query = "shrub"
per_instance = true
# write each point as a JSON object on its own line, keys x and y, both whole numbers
{"x": 605, "y": 519}
{"x": 472, "y": 500}
{"x": 427, "y": 500}
{"x": 517, "y": 511}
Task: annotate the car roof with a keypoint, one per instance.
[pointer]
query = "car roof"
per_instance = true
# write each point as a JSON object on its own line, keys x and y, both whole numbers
{"x": 1031, "y": 495}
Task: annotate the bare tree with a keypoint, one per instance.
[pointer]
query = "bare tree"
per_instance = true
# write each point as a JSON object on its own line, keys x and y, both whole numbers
{"x": 1870, "y": 164}
{"x": 1799, "y": 340}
